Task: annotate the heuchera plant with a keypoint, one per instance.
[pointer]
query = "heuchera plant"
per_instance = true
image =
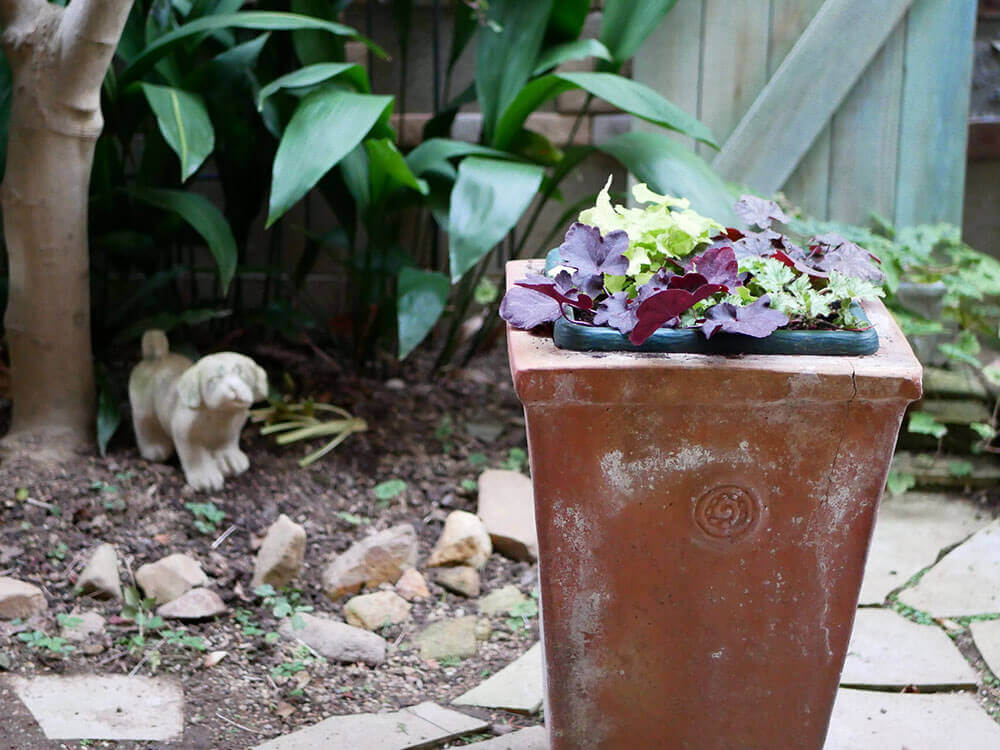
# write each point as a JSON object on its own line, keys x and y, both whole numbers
{"x": 663, "y": 265}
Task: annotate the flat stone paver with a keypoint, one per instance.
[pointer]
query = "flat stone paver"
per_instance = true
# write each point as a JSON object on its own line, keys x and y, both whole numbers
{"x": 986, "y": 634}
{"x": 966, "y": 581}
{"x": 874, "y": 720}
{"x": 533, "y": 738}
{"x": 887, "y": 650}
{"x": 416, "y": 726}
{"x": 103, "y": 707}
{"x": 517, "y": 687}
{"x": 910, "y": 531}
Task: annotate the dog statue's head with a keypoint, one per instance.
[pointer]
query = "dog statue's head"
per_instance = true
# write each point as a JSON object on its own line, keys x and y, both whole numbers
{"x": 224, "y": 381}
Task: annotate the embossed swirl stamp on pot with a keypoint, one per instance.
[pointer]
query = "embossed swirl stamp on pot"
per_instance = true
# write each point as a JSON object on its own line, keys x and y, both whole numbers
{"x": 727, "y": 513}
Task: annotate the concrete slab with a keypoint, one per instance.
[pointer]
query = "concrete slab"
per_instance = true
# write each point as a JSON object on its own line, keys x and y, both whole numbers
{"x": 873, "y": 720}
{"x": 422, "y": 725}
{"x": 517, "y": 687}
{"x": 889, "y": 651}
{"x": 986, "y": 634}
{"x": 966, "y": 581}
{"x": 533, "y": 738}
{"x": 103, "y": 707}
{"x": 910, "y": 531}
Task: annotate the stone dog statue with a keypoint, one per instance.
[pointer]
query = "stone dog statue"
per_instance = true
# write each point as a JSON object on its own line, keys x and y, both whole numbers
{"x": 196, "y": 408}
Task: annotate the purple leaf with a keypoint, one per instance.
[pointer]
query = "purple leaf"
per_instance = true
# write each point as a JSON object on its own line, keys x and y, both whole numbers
{"x": 759, "y": 211}
{"x": 845, "y": 257}
{"x": 558, "y": 289}
{"x": 755, "y": 320}
{"x": 663, "y": 307}
{"x": 718, "y": 265}
{"x": 799, "y": 265}
{"x": 592, "y": 255}
{"x": 755, "y": 244}
{"x": 618, "y": 312}
{"x": 688, "y": 281}
{"x": 527, "y": 309}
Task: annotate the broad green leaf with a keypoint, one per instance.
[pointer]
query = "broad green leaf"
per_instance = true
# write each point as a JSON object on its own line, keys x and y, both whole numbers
{"x": 433, "y": 156}
{"x": 579, "y": 49}
{"x": 388, "y": 170}
{"x": 204, "y": 218}
{"x": 625, "y": 24}
{"x": 464, "y": 27}
{"x": 507, "y": 48}
{"x": 898, "y": 483}
{"x": 314, "y": 75}
{"x": 633, "y": 97}
{"x": 420, "y": 300}
{"x": 326, "y": 126}
{"x": 315, "y": 46}
{"x": 168, "y": 321}
{"x": 251, "y": 19}
{"x": 183, "y": 121}
{"x": 487, "y": 200}
{"x": 566, "y": 19}
{"x": 668, "y": 167}
{"x": 960, "y": 468}
{"x": 109, "y": 416}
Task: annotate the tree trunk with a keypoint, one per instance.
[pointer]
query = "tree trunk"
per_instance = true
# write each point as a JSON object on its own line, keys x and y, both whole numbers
{"x": 58, "y": 60}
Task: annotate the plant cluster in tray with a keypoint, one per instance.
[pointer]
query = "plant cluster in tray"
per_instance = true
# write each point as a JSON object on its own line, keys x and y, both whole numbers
{"x": 663, "y": 265}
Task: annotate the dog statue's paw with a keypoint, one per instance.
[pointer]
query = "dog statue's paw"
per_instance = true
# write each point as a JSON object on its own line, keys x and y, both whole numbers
{"x": 232, "y": 461}
{"x": 155, "y": 452}
{"x": 206, "y": 477}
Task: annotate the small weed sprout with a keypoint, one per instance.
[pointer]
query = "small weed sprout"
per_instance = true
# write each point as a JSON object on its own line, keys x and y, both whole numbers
{"x": 207, "y": 516}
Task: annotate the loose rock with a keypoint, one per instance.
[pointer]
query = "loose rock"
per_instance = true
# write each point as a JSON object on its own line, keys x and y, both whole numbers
{"x": 380, "y": 558}
{"x": 100, "y": 576}
{"x": 20, "y": 599}
{"x": 336, "y": 641}
{"x": 279, "y": 559}
{"x": 507, "y": 508}
{"x": 501, "y": 601}
{"x": 168, "y": 578}
{"x": 373, "y": 611}
{"x": 85, "y": 626}
{"x": 450, "y": 639}
{"x": 461, "y": 580}
{"x": 196, "y": 604}
{"x": 411, "y": 585}
{"x": 463, "y": 541}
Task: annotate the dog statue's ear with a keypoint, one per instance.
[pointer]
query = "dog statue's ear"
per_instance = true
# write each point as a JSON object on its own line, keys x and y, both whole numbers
{"x": 259, "y": 383}
{"x": 189, "y": 388}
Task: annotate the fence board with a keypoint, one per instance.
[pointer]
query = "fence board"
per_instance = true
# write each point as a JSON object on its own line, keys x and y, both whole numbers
{"x": 733, "y": 64}
{"x": 806, "y": 90}
{"x": 865, "y": 139}
{"x": 808, "y": 185}
{"x": 938, "y": 60}
{"x": 670, "y": 61}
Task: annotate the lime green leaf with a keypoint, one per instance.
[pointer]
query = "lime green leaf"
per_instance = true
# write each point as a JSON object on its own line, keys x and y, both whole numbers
{"x": 960, "y": 468}
{"x": 487, "y": 200}
{"x": 625, "y": 24}
{"x": 633, "y": 97}
{"x": 668, "y": 167}
{"x": 204, "y": 218}
{"x": 984, "y": 430}
{"x": 924, "y": 423}
{"x": 326, "y": 126}
{"x": 579, "y": 49}
{"x": 313, "y": 75}
{"x": 254, "y": 20}
{"x": 184, "y": 123}
{"x": 389, "y": 489}
{"x": 420, "y": 300}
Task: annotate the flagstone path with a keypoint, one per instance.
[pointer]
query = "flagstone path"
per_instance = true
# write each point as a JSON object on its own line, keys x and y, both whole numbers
{"x": 917, "y": 674}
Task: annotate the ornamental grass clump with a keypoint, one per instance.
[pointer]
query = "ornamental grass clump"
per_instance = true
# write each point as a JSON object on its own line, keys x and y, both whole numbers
{"x": 665, "y": 266}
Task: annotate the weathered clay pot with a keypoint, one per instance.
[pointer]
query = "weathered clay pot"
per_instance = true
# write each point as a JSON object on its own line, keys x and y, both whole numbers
{"x": 703, "y": 523}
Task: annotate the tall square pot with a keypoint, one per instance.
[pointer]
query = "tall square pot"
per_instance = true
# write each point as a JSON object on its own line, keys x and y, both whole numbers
{"x": 703, "y": 523}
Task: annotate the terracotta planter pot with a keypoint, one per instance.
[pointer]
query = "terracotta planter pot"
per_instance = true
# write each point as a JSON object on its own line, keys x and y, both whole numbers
{"x": 703, "y": 523}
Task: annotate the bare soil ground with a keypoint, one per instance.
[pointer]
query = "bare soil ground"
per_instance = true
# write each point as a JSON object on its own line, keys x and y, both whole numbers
{"x": 436, "y": 436}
